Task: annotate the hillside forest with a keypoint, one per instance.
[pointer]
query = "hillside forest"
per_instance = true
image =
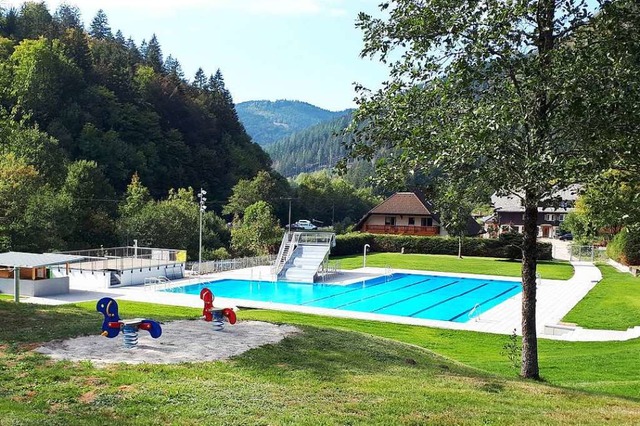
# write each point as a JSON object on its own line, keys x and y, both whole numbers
{"x": 267, "y": 122}
{"x": 104, "y": 140}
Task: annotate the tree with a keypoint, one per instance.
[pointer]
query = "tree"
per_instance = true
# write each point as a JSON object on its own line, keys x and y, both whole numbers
{"x": 170, "y": 223}
{"x": 263, "y": 187}
{"x": 68, "y": 17}
{"x": 34, "y": 21}
{"x": 153, "y": 54}
{"x": 199, "y": 80}
{"x": 43, "y": 77}
{"x": 503, "y": 93}
{"x": 17, "y": 179}
{"x": 257, "y": 232}
{"x": 99, "y": 28}
{"x": 455, "y": 201}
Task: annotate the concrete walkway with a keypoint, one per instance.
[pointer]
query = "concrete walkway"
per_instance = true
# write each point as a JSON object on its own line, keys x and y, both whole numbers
{"x": 554, "y": 300}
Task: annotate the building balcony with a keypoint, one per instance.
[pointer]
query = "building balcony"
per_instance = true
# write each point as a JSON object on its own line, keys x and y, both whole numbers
{"x": 402, "y": 230}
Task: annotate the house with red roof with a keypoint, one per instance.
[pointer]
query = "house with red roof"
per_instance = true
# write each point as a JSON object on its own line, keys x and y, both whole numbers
{"x": 407, "y": 213}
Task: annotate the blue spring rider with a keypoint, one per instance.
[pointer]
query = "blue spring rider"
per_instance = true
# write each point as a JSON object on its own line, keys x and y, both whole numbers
{"x": 112, "y": 324}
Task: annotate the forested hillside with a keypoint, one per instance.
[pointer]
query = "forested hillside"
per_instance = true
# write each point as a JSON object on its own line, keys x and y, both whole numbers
{"x": 267, "y": 122}
{"x": 82, "y": 111}
{"x": 316, "y": 148}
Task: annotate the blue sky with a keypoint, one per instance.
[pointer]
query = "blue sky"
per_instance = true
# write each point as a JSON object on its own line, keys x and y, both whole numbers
{"x": 267, "y": 49}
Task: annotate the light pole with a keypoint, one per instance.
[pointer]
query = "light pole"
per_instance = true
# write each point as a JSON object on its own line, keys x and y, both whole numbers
{"x": 364, "y": 256}
{"x": 203, "y": 207}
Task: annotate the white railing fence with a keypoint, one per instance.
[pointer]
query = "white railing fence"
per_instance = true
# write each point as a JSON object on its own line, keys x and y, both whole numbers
{"x": 230, "y": 264}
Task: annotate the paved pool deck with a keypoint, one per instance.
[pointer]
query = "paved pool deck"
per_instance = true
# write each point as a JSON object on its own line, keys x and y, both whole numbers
{"x": 555, "y": 299}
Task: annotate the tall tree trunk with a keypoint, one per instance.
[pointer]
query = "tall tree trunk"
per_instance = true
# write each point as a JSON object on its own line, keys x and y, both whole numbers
{"x": 545, "y": 45}
{"x": 459, "y": 246}
{"x": 529, "y": 368}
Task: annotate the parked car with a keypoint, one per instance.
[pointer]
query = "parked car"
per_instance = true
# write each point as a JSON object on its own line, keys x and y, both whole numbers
{"x": 304, "y": 224}
{"x": 566, "y": 237}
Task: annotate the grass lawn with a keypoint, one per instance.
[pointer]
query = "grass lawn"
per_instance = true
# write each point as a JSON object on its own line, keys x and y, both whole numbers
{"x": 335, "y": 372}
{"x": 553, "y": 270}
{"x": 613, "y": 304}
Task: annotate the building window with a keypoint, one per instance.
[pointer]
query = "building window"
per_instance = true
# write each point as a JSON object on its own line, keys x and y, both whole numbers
{"x": 390, "y": 220}
{"x": 426, "y": 221}
{"x": 550, "y": 217}
{"x": 412, "y": 221}
{"x": 561, "y": 217}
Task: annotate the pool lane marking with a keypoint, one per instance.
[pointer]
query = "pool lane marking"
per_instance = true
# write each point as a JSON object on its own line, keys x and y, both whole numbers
{"x": 353, "y": 289}
{"x": 448, "y": 299}
{"x": 380, "y": 294}
{"x": 480, "y": 304}
{"x": 414, "y": 296}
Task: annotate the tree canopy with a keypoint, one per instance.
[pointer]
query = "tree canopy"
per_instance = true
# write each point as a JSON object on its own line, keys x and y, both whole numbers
{"x": 528, "y": 96}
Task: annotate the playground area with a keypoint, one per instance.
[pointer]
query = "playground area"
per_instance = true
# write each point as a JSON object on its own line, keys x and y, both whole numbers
{"x": 181, "y": 341}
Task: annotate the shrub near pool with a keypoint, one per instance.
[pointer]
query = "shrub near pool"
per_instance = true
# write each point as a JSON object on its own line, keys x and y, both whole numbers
{"x": 503, "y": 247}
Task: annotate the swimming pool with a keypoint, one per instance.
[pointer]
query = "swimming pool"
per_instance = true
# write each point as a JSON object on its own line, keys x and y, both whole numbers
{"x": 443, "y": 298}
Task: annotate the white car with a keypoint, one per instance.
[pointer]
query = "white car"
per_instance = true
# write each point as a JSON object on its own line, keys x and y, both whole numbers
{"x": 304, "y": 224}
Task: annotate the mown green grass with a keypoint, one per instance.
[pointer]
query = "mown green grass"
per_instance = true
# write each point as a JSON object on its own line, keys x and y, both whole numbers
{"x": 553, "y": 270}
{"x": 334, "y": 372}
{"x": 613, "y": 304}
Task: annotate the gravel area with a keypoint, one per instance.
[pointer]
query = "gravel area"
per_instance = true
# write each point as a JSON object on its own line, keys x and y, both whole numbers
{"x": 181, "y": 341}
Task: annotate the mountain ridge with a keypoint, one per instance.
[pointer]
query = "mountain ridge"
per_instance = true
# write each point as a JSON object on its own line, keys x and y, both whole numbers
{"x": 269, "y": 121}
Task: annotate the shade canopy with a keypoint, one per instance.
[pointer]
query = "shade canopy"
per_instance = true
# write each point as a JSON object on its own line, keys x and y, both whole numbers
{"x": 16, "y": 259}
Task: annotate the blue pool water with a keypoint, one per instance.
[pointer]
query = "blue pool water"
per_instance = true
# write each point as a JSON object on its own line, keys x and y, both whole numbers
{"x": 407, "y": 295}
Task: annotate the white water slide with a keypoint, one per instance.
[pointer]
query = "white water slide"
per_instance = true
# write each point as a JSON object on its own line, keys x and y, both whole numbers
{"x": 302, "y": 254}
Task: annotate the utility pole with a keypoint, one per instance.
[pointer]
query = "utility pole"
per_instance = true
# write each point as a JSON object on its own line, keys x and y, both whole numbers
{"x": 289, "y": 199}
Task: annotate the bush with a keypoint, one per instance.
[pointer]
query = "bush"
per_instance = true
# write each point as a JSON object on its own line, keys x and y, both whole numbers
{"x": 506, "y": 247}
{"x": 625, "y": 247}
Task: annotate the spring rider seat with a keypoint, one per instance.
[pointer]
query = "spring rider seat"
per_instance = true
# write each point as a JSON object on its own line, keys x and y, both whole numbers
{"x": 112, "y": 324}
{"x": 215, "y": 315}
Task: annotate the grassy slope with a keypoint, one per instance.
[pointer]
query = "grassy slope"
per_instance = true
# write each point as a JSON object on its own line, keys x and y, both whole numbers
{"x": 556, "y": 270}
{"x": 612, "y": 304}
{"x": 336, "y": 372}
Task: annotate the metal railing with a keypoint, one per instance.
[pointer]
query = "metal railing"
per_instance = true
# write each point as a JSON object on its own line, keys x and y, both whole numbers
{"x": 213, "y": 266}
{"x": 125, "y": 258}
{"x": 587, "y": 253}
{"x": 287, "y": 246}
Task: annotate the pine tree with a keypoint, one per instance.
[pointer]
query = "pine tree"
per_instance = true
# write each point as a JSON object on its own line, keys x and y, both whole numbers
{"x": 120, "y": 38}
{"x": 199, "y": 80}
{"x": 153, "y": 54}
{"x": 173, "y": 68}
{"x": 67, "y": 16}
{"x": 133, "y": 54}
{"x": 99, "y": 28}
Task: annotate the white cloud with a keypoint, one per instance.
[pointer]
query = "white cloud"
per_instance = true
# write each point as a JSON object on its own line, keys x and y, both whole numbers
{"x": 259, "y": 7}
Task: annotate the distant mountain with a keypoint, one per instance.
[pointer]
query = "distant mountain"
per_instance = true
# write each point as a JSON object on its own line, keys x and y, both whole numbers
{"x": 267, "y": 121}
{"x": 315, "y": 148}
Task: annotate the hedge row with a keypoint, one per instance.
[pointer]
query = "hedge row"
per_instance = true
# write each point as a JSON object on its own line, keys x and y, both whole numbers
{"x": 625, "y": 247}
{"x": 503, "y": 247}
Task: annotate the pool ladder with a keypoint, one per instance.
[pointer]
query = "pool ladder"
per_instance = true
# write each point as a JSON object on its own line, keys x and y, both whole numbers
{"x": 474, "y": 311}
{"x": 387, "y": 273}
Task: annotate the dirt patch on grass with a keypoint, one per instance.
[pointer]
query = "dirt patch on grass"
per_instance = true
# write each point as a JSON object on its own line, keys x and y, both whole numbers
{"x": 181, "y": 341}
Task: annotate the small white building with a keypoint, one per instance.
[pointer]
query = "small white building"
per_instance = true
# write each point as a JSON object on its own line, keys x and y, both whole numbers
{"x": 123, "y": 266}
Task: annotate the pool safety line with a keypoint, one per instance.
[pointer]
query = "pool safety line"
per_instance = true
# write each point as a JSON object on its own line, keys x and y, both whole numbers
{"x": 448, "y": 299}
{"x": 380, "y": 294}
{"x": 352, "y": 289}
{"x": 414, "y": 296}
{"x": 482, "y": 303}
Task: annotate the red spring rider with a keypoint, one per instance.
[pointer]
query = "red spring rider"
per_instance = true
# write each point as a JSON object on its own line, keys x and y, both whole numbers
{"x": 215, "y": 315}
